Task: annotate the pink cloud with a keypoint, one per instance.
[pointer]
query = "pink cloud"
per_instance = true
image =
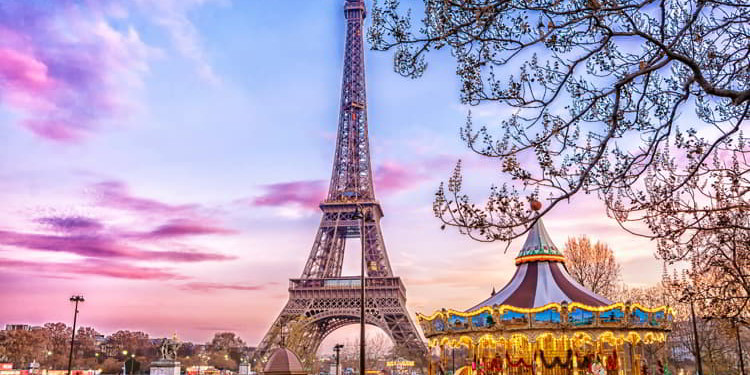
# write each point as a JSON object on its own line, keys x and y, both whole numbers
{"x": 391, "y": 177}
{"x": 64, "y": 68}
{"x": 206, "y": 286}
{"x": 88, "y": 267}
{"x": 98, "y": 240}
{"x": 115, "y": 194}
{"x": 100, "y": 246}
{"x": 306, "y": 194}
{"x": 182, "y": 228}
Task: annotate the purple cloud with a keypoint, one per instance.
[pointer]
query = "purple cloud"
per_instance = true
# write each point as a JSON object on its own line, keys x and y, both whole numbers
{"x": 71, "y": 223}
{"x": 182, "y": 228}
{"x": 100, "y": 246}
{"x": 390, "y": 177}
{"x": 306, "y": 194}
{"x": 89, "y": 267}
{"x": 65, "y": 68}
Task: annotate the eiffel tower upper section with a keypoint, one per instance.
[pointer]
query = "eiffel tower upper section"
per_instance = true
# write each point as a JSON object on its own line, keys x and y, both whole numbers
{"x": 351, "y": 180}
{"x": 351, "y": 193}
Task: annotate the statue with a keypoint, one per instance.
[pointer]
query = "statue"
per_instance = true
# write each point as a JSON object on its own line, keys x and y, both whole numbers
{"x": 168, "y": 364}
{"x": 169, "y": 348}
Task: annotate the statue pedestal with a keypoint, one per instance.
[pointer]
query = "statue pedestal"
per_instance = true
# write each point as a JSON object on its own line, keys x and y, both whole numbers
{"x": 165, "y": 367}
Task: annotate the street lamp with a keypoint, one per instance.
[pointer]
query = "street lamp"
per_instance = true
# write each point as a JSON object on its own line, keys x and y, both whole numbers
{"x": 132, "y": 362}
{"x": 360, "y": 214}
{"x": 75, "y": 299}
{"x": 736, "y": 322}
{"x": 337, "y": 348}
{"x": 689, "y": 295}
{"x": 46, "y": 358}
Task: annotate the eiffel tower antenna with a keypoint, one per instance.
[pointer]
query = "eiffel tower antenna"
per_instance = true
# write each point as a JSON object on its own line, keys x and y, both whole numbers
{"x": 321, "y": 300}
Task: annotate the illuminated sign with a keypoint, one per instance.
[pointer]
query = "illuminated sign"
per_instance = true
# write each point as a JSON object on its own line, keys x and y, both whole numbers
{"x": 400, "y": 363}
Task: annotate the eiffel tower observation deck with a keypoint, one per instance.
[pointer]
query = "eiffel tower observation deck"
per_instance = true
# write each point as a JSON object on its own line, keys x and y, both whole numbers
{"x": 321, "y": 300}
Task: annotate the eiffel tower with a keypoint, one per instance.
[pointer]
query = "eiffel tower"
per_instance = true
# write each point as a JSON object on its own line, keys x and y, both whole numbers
{"x": 321, "y": 300}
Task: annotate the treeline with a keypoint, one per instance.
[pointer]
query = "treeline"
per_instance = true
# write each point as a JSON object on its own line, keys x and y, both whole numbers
{"x": 49, "y": 345}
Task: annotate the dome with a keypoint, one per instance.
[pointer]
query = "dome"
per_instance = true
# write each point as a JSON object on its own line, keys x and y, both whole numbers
{"x": 283, "y": 362}
{"x": 541, "y": 277}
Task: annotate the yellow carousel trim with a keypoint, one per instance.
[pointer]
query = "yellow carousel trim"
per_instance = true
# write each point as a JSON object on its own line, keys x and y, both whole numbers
{"x": 540, "y": 258}
{"x": 631, "y": 337}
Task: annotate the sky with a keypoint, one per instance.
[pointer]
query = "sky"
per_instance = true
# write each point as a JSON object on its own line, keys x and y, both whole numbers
{"x": 166, "y": 158}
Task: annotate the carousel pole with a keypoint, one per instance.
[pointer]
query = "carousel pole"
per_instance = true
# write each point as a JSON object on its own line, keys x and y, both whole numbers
{"x": 453, "y": 352}
{"x": 633, "y": 369}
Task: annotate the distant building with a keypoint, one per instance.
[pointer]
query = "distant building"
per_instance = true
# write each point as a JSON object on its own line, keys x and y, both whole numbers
{"x": 18, "y": 327}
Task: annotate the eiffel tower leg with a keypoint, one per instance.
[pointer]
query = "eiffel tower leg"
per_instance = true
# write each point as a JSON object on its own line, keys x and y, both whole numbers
{"x": 376, "y": 257}
{"x": 404, "y": 333}
{"x": 288, "y": 317}
{"x": 327, "y": 253}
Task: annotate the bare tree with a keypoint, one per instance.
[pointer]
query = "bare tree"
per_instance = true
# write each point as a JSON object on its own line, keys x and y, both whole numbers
{"x": 135, "y": 342}
{"x": 58, "y": 339}
{"x": 596, "y": 89}
{"x": 718, "y": 351}
{"x": 705, "y": 226}
{"x": 640, "y": 102}
{"x": 592, "y": 265}
{"x": 376, "y": 349}
{"x": 21, "y": 347}
{"x": 225, "y": 350}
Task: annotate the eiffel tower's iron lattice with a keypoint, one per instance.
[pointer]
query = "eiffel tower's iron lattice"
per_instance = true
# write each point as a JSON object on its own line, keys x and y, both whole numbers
{"x": 321, "y": 300}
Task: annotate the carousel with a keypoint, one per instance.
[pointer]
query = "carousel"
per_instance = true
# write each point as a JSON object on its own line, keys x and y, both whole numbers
{"x": 543, "y": 322}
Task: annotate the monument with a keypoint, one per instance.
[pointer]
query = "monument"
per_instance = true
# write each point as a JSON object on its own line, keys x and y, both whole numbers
{"x": 167, "y": 364}
{"x": 321, "y": 300}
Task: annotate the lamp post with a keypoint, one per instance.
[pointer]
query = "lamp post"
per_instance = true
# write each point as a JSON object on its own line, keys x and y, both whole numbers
{"x": 337, "y": 348}
{"x": 361, "y": 214}
{"x": 689, "y": 294}
{"x": 736, "y": 322}
{"x": 75, "y": 299}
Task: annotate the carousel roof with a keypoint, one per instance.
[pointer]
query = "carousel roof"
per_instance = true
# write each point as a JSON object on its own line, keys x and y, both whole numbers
{"x": 541, "y": 277}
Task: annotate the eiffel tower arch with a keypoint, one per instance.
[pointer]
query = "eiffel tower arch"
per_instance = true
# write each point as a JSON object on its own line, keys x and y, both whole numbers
{"x": 321, "y": 300}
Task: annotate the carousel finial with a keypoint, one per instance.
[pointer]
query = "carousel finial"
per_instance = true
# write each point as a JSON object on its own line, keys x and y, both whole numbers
{"x": 536, "y": 205}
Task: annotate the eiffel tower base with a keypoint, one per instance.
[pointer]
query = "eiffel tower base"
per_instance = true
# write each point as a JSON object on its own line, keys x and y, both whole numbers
{"x": 317, "y": 307}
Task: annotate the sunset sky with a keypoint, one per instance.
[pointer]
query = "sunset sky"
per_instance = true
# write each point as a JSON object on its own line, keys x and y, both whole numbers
{"x": 166, "y": 158}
